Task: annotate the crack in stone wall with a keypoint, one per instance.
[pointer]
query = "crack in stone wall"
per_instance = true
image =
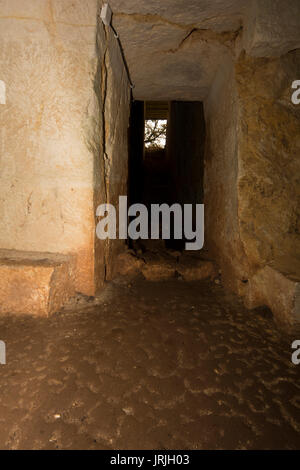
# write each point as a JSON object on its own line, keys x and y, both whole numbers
{"x": 226, "y": 39}
{"x": 104, "y": 149}
{"x": 113, "y": 98}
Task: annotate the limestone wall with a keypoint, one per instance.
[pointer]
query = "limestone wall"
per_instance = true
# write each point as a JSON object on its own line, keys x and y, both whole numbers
{"x": 111, "y": 150}
{"x": 51, "y": 125}
{"x": 252, "y": 171}
{"x": 269, "y": 164}
{"x": 222, "y": 234}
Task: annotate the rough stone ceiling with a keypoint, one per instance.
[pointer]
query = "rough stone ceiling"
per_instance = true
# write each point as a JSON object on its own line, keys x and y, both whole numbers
{"x": 173, "y": 47}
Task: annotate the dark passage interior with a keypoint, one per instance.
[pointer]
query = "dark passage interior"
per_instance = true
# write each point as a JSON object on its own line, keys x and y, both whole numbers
{"x": 166, "y": 157}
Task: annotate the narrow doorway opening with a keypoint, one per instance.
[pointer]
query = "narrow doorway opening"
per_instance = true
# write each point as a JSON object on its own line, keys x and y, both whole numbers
{"x": 166, "y": 159}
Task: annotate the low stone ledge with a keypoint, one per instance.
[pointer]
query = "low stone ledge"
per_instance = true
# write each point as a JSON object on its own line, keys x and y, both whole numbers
{"x": 158, "y": 267}
{"x": 127, "y": 264}
{"x": 278, "y": 287}
{"x": 193, "y": 269}
{"x": 35, "y": 284}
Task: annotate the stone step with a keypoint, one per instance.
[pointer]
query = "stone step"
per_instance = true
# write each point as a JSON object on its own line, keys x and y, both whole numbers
{"x": 158, "y": 267}
{"x": 160, "y": 264}
{"x": 35, "y": 284}
{"x": 194, "y": 269}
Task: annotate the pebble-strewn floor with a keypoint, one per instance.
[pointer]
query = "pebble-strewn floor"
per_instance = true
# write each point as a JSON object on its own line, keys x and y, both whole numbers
{"x": 170, "y": 365}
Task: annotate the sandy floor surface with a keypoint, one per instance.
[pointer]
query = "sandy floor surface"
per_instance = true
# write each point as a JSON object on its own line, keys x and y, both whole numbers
{"x": 170, "y": 365}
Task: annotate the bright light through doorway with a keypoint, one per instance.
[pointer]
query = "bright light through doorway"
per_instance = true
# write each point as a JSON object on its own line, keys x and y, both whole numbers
{"x": 155, "y": 133}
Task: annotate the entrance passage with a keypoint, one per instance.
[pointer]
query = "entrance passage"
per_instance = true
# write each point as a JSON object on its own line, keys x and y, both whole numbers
{"x": 166, "y": 160}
